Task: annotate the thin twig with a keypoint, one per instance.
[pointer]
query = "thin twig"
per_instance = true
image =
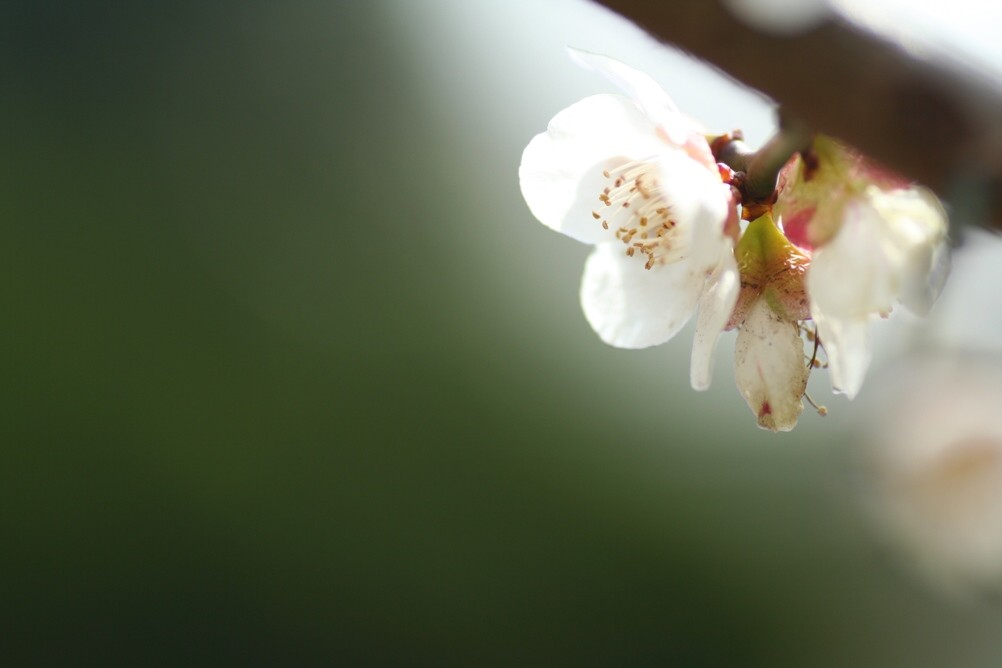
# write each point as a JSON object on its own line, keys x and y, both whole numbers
{"x": 763, "y": 169}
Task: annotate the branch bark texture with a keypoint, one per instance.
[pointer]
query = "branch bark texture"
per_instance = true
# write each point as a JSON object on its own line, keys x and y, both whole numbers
{"x": 937, "y": 120}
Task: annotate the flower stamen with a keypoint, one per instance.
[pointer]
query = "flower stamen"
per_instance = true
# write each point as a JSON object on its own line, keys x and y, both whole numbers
{"x": 639, "y": 210}
{"x": 822, "y": 410}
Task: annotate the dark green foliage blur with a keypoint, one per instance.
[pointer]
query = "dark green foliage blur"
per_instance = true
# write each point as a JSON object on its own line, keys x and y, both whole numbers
{"x": 291, "y": 377}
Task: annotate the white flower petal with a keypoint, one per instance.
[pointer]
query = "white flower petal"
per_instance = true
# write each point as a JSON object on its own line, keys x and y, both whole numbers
{"x": 847, "y": 347}
{"x": 699, "y": 203}
{"x": 912, "y": 216}
{"x": 639, "y": 86}
{"x": 632, "y": 307}
{"x": 769, "y": 368}
{"x": 914, "y": 227}
{"x": 708, "y": 204}
{"x": 924, "y": 279}
{"x": 856, "y": 273}
{"x": 715, "y": 307}
{"x": 561, "y": 170}
{"x": 890, "y": 247}
{"x": 656, "y": 103}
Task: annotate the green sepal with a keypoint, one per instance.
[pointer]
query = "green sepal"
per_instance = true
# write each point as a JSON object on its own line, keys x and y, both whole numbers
{"x": 773, "y": 268}
{"x": 763, "y": 249}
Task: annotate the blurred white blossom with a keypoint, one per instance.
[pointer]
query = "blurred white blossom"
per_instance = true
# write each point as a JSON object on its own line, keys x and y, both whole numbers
{"x": 933, "y": 460}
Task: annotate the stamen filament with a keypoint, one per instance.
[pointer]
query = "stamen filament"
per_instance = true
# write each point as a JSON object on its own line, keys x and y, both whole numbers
{"x": 634, "y": 203}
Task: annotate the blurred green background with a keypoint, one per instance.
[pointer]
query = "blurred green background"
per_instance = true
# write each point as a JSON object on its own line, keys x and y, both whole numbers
{"x": 292, "y": 377}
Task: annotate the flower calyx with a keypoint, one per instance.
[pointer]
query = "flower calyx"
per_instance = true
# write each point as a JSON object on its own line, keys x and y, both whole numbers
{"x": 772, "y": 269}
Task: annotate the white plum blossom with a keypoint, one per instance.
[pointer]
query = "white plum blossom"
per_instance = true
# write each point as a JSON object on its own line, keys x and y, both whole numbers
{"x": 634, "y": 177}
{"x": 876, "y": 241}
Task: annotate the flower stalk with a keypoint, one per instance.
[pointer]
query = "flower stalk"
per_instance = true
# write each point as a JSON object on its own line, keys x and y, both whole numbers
{"x": 757, "y": 172}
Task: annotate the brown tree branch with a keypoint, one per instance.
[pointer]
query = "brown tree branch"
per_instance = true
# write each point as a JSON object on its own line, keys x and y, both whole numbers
{"x": 935, "y": 120}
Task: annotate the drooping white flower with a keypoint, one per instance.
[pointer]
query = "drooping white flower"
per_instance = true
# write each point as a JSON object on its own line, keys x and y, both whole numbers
{"x": 769, "y": 364}
{"x": 635, "y": 178}
{"x": 769, "y": 367}
{"x": 876, "y": 242}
